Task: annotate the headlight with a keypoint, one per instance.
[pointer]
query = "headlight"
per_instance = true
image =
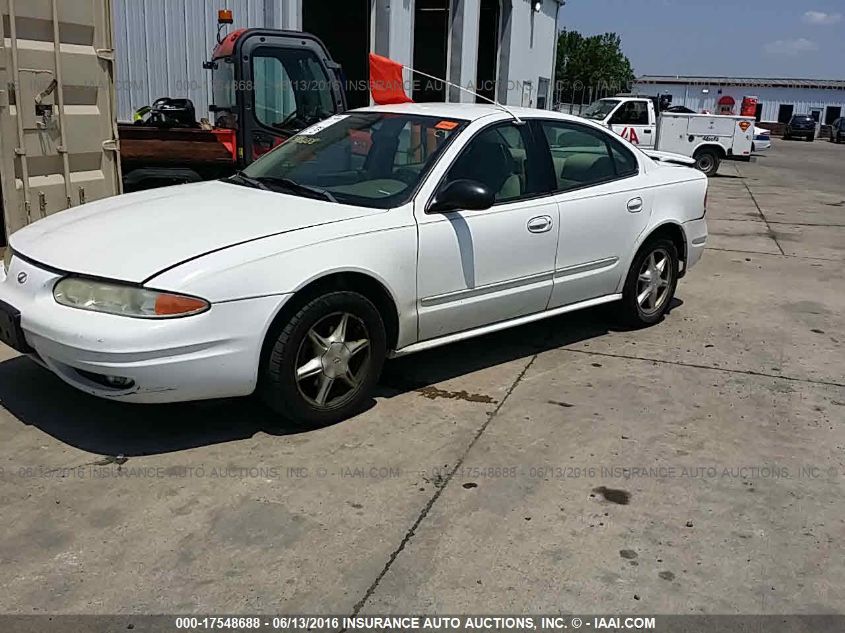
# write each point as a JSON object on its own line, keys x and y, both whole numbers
{"x": 7, "y": 260}
{"x": 125, "y": 300}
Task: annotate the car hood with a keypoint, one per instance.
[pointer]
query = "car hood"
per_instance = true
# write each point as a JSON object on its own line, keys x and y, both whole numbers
{"x": 133, "y": 237}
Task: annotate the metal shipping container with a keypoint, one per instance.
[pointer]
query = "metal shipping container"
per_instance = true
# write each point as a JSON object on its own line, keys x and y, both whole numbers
{"x": 58, "y": 131}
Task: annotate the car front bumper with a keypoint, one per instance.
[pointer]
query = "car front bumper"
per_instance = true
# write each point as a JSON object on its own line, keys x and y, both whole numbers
{"x": 211, "y": 355}
{"x": 696, "y": 236}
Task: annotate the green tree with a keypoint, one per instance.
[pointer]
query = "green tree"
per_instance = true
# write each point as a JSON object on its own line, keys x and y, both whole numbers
{"x": 595, "y": 64}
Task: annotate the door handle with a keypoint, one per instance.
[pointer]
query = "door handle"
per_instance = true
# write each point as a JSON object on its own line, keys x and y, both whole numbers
{"x": 540, "y": 224}
{"x": 635, "y": 205}
{"x": 646, "y": 131}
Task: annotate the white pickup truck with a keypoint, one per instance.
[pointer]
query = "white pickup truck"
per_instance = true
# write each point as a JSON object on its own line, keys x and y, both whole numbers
{"x": 707, "y": 138}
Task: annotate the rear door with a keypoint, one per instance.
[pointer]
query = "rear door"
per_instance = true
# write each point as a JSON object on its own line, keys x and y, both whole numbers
{"x": 58, "y": 145}
{"x": 603, "y": 204}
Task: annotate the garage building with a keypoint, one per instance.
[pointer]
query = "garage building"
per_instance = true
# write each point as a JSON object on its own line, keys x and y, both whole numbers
{"x": 779, "y": 99}
{"x": 503, "y": 48}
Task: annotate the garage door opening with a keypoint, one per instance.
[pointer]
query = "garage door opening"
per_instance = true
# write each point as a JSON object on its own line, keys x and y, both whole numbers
{"x": 431, "y": 29}
{"x": 344, "y": 28}
{"x": 488, "y": 49}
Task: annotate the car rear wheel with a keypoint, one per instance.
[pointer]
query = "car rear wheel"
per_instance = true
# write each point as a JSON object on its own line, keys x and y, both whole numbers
{"x": 707, "y": 161}
{"x": 326, "y": 360}
{"x": 651, "y": 282}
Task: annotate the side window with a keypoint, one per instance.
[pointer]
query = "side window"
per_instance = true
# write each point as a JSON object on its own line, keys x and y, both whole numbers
{"x": 624, "y": 160}
{"x": 274, "y": 95}
{"x": 499, "y": 158}
{"x": 582, "y": 156}
{"x": 639, "y": 113}
{"x": 631, "y": 113}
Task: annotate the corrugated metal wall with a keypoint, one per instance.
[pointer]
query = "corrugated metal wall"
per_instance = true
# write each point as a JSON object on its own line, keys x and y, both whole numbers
{"x": 805, "y": 100}
{"x": 161, "y": 45}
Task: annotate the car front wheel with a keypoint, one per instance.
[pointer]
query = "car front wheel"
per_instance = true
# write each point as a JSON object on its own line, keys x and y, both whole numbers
{"x": 651, "y": 282}
{"x": 326, "y": 360}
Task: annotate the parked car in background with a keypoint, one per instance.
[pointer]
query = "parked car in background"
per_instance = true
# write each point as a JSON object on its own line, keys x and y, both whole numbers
{"x": 762, "y": 140}
{"x": 381, "y": 232}
{"x": 837, "y": 131}
{"x": 800, "y": 126}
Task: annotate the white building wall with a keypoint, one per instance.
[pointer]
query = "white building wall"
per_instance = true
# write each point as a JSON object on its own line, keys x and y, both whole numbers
{"x": 469, "y": 48}
{"x": 532, "y": 50}
{"x": 803, "y": 99}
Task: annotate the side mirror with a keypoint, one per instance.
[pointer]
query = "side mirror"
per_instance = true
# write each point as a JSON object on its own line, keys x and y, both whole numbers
{"x": 462, "y": 194}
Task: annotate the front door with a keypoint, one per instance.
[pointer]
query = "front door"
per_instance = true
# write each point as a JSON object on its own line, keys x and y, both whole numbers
{"x": 631, "y": 122}
{"x": 481, "y": 267}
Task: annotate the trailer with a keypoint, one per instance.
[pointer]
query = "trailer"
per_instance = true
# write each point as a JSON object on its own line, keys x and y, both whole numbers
{"x": 58, "y": 133}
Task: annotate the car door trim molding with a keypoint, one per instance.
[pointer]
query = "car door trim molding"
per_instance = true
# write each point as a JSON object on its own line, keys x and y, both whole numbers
{"x": 501, "y": 325}
{"x": 478, "y": 291}
{"x": 586, "y": 267}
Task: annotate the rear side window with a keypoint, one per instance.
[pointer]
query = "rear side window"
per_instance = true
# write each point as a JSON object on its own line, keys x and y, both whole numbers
{"x": 582, "y": 156}
{"x": 624, "y": 159}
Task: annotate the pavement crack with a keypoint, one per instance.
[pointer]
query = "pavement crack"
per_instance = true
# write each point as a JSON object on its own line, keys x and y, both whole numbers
{"x": 677, "y": 363}
{"x": 771, "y": 231}
{"x": 734, "y": 250}
{"x": 438, "y": 491}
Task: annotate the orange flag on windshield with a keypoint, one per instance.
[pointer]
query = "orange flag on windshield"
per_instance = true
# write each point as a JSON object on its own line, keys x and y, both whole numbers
{"x": 386, "y": 82}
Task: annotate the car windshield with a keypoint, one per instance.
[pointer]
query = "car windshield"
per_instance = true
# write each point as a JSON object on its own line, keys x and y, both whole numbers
{"x": 802, "y": 118}
{"x": 600, "y": 109}
{"x": 370, "y": 159}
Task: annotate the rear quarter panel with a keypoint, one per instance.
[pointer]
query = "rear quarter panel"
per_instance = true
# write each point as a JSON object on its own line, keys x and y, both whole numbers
{"x": 677, "y": 195}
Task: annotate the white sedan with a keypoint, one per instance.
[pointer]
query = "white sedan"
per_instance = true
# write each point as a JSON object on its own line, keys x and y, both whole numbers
{"x": 762, "y": 140}
{"x": 380, "y": 232}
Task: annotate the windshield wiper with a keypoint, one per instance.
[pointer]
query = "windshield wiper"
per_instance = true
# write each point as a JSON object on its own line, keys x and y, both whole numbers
{"x": 293, "y": 186}
{"x": 241, "y": 178}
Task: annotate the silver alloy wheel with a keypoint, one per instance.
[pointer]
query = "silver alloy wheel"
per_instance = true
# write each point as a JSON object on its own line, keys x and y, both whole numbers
{"x": 654, "y": 281}
{"x": 333, "y": 360}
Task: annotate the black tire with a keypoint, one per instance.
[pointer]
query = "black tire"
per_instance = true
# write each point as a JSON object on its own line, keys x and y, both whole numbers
{"x": 289, "y": 397}
{"x": 786, "y": 137}
{"x": 707, "y": 161}
{"x": 633, "y": 312}
{"x": 810, "y": 139}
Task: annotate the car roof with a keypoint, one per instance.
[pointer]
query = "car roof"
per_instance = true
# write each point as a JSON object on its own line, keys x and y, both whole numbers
{"x": 467, "y": 111}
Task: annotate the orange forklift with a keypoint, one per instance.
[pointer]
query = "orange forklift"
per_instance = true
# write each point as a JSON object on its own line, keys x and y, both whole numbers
{"x": 267, "y": 85}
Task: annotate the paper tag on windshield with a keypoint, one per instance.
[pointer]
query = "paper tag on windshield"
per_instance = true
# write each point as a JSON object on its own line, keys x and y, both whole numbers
{"x": 322, "y": 125}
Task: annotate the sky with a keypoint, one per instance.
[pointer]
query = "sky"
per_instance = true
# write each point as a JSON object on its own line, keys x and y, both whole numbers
{"x": 734, "y": 38}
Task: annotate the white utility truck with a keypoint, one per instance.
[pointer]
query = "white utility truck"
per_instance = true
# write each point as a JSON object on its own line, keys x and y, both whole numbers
{"x": 707, "y": 138}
